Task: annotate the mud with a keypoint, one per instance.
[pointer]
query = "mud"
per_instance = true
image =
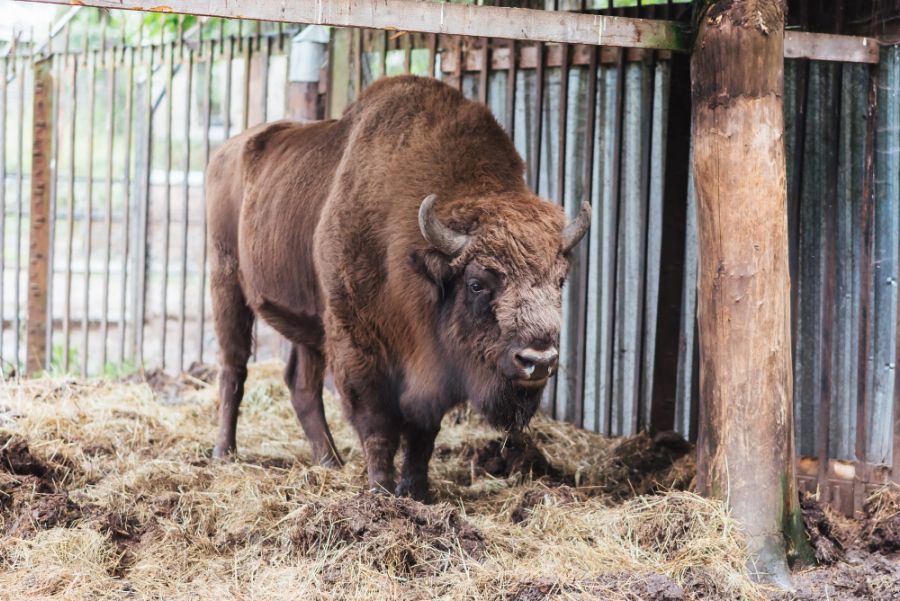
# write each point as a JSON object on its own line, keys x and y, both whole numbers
{"x": 858, "y": 558}
{"x": 638, "y": 465}
{"x": 860, "y": 577}
{"x": 881, "y": 521}
{"x": 388, "y": 531}
{"x": 515, "y": 455}
{"x": 824, "y": 541}
{"x": 619, "y": 585}
{"x": 647, "y": 465}
{"x": 30, "y": 496}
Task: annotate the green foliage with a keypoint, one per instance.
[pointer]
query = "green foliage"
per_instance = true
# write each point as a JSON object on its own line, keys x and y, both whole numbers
{"x": 57, "y": 360}
{"x": 118, "y": 370}
{"x": 166, "y": 23}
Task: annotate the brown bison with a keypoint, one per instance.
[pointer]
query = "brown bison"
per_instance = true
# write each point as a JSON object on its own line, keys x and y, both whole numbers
{"x": 401, "y": 246}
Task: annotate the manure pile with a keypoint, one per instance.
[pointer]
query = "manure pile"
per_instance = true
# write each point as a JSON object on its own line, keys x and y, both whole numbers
{"x": 108, "y": 491}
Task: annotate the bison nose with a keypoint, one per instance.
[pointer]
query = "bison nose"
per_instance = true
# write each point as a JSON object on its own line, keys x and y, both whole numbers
{"x": 534, "y": 364}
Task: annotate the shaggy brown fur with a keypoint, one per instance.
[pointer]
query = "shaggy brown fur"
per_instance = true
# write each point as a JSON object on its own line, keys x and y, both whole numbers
{"x": 315, "y": 228}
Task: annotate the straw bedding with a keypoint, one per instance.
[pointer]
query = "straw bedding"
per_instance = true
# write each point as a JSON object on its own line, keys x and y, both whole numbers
{"x": 108, "y": 491}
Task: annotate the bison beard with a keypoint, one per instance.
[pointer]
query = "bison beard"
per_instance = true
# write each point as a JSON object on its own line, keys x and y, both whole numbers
{"x": 508, "y": 407}
{"x": 355, "y": 238}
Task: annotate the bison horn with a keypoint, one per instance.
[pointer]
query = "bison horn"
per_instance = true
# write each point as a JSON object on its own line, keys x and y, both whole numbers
{"x": 446, "y": 240}
{"x": 577, "y": 228}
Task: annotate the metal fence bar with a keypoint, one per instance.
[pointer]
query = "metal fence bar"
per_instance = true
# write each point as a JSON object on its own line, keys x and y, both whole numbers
{"x": 207, "y": 115}
{"x": 126, "y": 225}
{"x": 70, "y": 212}
{"x": 54, "y": 196}
{"x": 143, "y": 163}
{"x": 20, "y": 149}
{"x": 111, "y": 64}
{"x": 185, "y": 203}
{"x": 91, "y": 60}
{"x": 167, "y": 202}
{"x": 4, "y": 109}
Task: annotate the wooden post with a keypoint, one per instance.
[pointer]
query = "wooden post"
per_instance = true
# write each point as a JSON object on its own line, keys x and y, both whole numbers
{"x": 39, "y": 247}
{"x": 746, "y": 443}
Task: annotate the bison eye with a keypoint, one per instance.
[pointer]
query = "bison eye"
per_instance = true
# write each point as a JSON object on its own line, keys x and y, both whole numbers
{"x": 475, "y": 287}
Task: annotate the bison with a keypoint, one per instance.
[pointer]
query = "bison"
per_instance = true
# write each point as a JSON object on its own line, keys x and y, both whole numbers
{"x": 400, "y": 246}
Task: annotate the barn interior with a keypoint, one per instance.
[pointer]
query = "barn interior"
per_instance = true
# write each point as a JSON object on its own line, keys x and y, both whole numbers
{"x": 107, "y": 489}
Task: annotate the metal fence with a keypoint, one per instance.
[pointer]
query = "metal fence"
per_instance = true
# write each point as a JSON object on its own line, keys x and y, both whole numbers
{"x": 134, "y": 123}
{"x": 132, "y": 128}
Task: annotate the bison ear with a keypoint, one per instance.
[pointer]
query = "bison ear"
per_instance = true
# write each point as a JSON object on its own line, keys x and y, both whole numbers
{"x": 432, "y": 266}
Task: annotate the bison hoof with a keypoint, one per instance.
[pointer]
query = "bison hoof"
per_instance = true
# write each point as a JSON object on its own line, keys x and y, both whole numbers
{"x": 330, "y": 459}
{"x": 414, "y": 490}
{"x": 224, "y": 453}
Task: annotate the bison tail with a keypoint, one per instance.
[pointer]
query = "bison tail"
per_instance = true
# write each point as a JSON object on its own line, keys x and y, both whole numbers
{"x": 297, "y": 326}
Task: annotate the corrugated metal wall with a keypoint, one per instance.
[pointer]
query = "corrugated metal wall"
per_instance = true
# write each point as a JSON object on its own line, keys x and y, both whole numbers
{"x": 844, "y": 242}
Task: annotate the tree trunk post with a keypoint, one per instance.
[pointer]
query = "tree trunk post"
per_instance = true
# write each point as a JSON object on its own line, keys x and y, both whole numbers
{"x": 39, "y": 269}
{"x": 745, "y": 442}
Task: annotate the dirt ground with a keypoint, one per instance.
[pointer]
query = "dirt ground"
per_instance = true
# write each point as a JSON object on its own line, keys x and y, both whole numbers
{"x": 108, "y": 491}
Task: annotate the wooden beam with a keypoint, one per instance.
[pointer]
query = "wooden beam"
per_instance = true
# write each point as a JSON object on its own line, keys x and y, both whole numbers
{"x": 829, "y": 47}
{"x": 489, "y": 21}
{"x": 430, "y": 17}
{"x": 39, "y": 246}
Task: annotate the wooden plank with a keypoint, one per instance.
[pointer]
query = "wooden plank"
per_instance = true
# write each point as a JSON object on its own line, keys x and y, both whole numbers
{"x": 431, "y": 17}
{"x": 489, "y": 21}
{"x": 38, "y": 257}
{"x": 580, "y": 54}
{"x": 830, "y": 47}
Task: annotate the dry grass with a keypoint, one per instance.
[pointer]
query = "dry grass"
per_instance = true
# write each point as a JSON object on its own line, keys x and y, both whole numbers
{"x": 123, "y": 502}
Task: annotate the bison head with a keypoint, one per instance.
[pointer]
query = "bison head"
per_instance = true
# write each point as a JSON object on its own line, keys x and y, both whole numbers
{"x": 498, "y": 266}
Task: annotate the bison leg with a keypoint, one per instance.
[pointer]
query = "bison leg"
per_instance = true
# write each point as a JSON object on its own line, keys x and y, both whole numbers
{"x": 234, "y": 330}
{"x": 419, "y": 445}
{"x": 380, "y": 448}
{"x": 304, "y": 376}
{"x": 378, "y": 433}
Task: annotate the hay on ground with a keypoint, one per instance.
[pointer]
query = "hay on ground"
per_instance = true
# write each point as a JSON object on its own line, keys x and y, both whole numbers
{"x": 108, "y": 491}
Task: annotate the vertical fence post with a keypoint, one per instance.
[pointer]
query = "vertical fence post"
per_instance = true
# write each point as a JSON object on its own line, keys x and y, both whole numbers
{"x": 38, "y": 256}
